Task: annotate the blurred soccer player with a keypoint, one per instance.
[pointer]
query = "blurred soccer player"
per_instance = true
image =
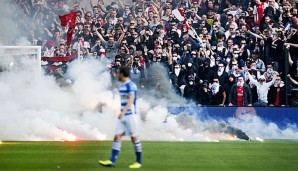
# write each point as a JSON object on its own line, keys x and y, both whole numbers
{"x": 127, "y": 120}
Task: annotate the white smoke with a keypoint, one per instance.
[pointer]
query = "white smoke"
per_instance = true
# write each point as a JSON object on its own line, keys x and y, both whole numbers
{"x": 255, "y": 127}
{"x": 23, "y": 41}
{"x": 14, "y": 24}
{"x": 38, "y": 109}
{"x": 7, "y": 23}
{"x": 34, "y": 108}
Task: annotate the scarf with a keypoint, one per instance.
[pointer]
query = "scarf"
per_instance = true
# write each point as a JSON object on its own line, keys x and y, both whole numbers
{"x": 279, "y": 84}
{"x": 214, "y": 88}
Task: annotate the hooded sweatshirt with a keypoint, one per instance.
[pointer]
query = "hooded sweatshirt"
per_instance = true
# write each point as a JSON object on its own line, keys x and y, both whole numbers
{"x": 262, "y": 88}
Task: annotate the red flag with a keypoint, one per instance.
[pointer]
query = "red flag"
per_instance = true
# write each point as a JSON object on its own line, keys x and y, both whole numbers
{"x": 65, "y": 19}
{"x": 70, "y": 20}
{"x": 60, "y": 58}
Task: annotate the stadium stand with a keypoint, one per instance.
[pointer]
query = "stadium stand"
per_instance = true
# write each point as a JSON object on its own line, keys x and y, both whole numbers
{"x": 215, "y": 52}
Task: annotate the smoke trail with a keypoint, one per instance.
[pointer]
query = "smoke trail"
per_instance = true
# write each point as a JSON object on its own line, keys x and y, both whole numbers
{"x": 158, "y": 86}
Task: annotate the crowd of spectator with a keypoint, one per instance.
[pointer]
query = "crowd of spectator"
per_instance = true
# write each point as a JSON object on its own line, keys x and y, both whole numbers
{"x": 225, "y": 52}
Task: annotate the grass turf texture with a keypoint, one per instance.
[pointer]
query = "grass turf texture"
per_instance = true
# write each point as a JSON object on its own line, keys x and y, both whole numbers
{"x": 173, "y": 156}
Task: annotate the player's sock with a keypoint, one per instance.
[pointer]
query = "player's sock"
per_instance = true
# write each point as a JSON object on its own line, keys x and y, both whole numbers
{"x": 115, "y": 150}
{"x": 138, "y": 150}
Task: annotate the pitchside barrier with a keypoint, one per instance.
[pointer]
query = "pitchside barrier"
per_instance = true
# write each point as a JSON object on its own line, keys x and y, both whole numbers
{"x": 282, "y": 116}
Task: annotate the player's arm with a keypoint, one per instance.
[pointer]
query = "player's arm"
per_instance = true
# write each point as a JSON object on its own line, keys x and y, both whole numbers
{"x": 131, "y": 98}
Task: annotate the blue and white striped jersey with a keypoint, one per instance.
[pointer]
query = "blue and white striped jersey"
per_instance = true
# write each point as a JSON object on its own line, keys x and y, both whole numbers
{"x": 125, "y": 90}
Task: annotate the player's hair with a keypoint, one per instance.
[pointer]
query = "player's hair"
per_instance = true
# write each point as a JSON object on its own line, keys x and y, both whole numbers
{"x": 124, "y": 70}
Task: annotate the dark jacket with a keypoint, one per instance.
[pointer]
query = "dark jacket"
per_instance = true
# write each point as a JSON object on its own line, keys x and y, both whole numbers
{"x": 227, "y": 87}
{"x": 190, "y": 92}
{"x": 224, "y": 78}
{"x": 206, "y": 74}
{"x": 182, "y": 78}
{"x": 204, "y": 98}
{"x": 272, "y": 95}
{"x": 247, "y": 97}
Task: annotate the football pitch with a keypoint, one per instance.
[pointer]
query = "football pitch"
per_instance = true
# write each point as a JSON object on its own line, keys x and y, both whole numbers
{"x": 173, "y": 156}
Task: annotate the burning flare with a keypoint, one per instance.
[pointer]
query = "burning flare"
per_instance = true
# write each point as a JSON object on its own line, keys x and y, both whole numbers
{"x": 65, "y": 136}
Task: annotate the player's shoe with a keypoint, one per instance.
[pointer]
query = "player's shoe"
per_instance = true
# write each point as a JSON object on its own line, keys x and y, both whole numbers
{"x": 136, "y": 165}
{"x": 107, "y": 163}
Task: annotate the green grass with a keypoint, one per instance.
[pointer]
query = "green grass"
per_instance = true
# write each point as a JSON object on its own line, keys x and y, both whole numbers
{"x": 280, "y": 155}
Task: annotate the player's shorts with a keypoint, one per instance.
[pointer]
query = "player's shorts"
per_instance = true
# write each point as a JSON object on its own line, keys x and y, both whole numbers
{"x": 127, "y": 125}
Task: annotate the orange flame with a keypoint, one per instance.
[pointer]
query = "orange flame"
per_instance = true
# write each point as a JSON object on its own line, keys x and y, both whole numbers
{"x": 229, "y": 137}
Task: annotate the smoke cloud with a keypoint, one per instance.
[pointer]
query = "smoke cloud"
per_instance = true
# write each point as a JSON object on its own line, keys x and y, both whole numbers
{"x": 14, "y": 25}
{"x": 256, "y": 127}
{"x": 7, "y": 24}
{"x": 38, "y": 109}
